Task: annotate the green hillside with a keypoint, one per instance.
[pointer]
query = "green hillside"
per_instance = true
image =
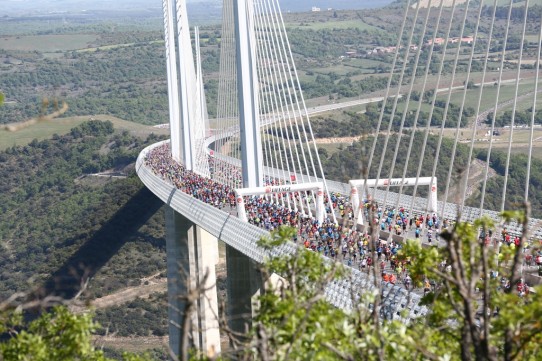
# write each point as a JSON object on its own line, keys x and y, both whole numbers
{"x": 61, "y": 225}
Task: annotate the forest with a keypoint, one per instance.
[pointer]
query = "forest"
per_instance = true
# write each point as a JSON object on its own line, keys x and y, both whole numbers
{"x": 101, "y": 82}
{"x": 71, "y": 225}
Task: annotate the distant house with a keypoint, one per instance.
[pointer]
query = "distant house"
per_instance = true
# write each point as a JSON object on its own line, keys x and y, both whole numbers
{"x": 438, "y": 41}
{"x": 467, "y": 39}
{"x": 315, "y": 9}
{"x": 351, "y": 54}
{"x": 13, "y": 61}
{"x": 441, "y": 41}
{"x": 382, "y": 50}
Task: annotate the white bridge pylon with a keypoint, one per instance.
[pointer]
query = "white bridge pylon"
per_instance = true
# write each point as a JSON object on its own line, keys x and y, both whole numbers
{"x": 393, "y": 182}
{"x": 317, "y": 187}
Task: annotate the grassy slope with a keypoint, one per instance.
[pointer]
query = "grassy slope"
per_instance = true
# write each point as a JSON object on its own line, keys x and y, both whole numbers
{"x": 45, "y": 130}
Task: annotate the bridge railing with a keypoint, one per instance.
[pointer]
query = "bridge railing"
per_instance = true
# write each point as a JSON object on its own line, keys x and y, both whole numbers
{"x": 244, "y": 237}
{"x": 468, "y": 214}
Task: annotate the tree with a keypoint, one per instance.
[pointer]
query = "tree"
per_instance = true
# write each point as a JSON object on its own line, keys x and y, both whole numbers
{"x": 470, "y": 84}
{"x": 473, "y": 316}
{"x": 428, "y": 95}
{"x": 54, "y": 336}
{"x": 476, "y": 304}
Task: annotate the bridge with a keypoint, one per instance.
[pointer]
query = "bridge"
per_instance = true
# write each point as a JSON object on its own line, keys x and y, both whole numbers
{"x": 256, "y": 165}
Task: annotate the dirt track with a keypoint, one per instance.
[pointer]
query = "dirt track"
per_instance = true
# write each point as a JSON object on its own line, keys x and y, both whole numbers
{"x": 436, "y": 3}
{"x": 148, "y": 286}
{"x": 132, "y": 344}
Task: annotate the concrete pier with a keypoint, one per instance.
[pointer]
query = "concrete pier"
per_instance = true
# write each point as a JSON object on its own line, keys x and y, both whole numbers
{"x": 192, "y": 255}
{"x": 244, "y": 285}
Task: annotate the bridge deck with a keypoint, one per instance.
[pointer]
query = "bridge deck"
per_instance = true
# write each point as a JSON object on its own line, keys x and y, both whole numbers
{"x": 244, "y": 237}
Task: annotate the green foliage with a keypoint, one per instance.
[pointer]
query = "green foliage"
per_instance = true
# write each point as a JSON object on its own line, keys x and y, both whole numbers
{"x": 520, "y": 118}
{"x": 343, "y": 86}
{"x": 57, "y": 335}
{"x": 294, "y": 322}
{"x": 333, "y": 42}
{"x": 2, "y": 97}
{"x": 70, "y": 225}
{"x": 468, "y": 290}
{"x": 351, "y": 161}
{"x": 296, "y": 316}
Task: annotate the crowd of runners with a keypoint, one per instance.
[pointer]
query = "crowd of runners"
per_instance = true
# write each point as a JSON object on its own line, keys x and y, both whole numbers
{"x": 339, "y": 240}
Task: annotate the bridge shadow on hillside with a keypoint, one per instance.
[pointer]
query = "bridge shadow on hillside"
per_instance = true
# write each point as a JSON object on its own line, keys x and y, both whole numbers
{"x": 66, "y": 281}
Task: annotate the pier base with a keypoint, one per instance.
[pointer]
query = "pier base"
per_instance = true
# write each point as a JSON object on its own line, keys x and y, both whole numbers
{"x": 192, "y": 255}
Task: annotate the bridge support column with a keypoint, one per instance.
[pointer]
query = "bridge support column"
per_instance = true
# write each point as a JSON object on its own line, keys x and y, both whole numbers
{"x": 192, "y": 254}
{"x": 244, "y": 285}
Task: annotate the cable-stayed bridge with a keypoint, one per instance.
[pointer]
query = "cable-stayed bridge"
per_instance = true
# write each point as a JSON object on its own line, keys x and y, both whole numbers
{"x": 259, "y": 155}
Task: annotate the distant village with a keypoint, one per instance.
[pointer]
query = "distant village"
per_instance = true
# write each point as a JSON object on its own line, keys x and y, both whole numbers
{"x": 317, "y": 9}
{"x": 379, "y": 50}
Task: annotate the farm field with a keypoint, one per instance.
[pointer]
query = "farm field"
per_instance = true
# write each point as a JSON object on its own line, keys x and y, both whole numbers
{"x": 520, "y": 143}
{"x": 489, "y": 94}
{"x": 332, "y": 148}
{"x": 115, "y": 46}
{"x": 347, "y": 66}
{"x": 45, "y": 130}
{"x": 345, "y": 24}
{"x": 520, "y": 139}
{"x": 47, "y": 43}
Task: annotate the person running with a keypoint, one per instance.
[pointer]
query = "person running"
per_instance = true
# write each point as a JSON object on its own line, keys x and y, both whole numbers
{"x": 407, "y": 281}
{"x": 426, "y": 287}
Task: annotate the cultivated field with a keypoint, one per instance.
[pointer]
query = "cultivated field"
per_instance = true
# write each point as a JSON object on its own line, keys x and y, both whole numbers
{"x": 47, "y": 43}
{"x": 436, "y": 3}
{"x": 347, "y": 24}
{"x": 114, "y": 46}
{"x": 45, "y": 130}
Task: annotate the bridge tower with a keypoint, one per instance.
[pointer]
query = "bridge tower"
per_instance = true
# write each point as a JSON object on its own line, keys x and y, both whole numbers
{"x": 247, "y": 88}
{"x": 244, "y": 279}
{"x": 189, "y": 267}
